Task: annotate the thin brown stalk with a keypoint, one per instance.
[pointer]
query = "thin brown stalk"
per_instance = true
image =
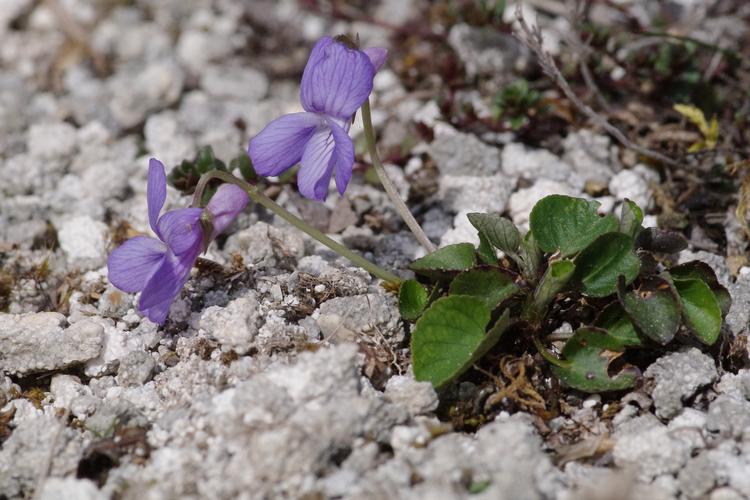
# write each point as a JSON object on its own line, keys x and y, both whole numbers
{"x": 532, "y": 38}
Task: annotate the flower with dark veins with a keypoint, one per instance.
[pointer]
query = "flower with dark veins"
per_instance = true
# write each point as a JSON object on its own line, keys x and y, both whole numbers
{"x": 337, "y": 80}
{"x": 159, "y": 267}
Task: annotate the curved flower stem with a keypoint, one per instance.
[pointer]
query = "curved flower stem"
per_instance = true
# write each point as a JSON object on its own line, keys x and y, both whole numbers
{"x": 401, "y": 207}
{"x": 295, "y": 221}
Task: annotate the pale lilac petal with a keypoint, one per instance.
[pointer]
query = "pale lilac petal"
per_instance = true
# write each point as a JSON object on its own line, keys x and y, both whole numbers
{"x": 180, "y": 229}
{"x": 131, "y": 264}
{"x": 166, "y": 283}
{"x": 377, "y": 56}
{"x": 343, "y": 157}
{"x": 156, "y": 191}
{"x": 280, "y": 145}
{"x": 315, "y": 172}
{"x": 316, "y": 56}
{"x": 157, "y": 313}
{"x": 228, "y": 201}
{"x": 337, "y": 80}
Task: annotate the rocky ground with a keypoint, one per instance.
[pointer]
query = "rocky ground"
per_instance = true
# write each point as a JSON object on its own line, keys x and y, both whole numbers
{"x": 283, "y": 372}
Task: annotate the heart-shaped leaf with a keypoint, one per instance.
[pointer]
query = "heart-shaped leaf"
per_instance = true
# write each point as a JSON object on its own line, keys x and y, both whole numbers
{"x": 450, "y": 336}
{"x": 492, "y": 286}
{"x": 587, "y": 355}
{"x": 412, "y": 299}
{"x": 446, "y": 260}
{"x": 499, "y": 231}
{"x": 600, "y": 264}
{"x": 568, "y": 224}
{"x": 700, "y": 309}
{"x": 631, "y": 217}
{"x": 696, "y": 269}
{"x": 654, "y": 308}
{"x": 618, "y": 325}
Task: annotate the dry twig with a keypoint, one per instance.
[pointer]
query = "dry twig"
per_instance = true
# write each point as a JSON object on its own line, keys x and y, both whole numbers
{"x": 532, "y": 38}
{"x": 582, "y": 50}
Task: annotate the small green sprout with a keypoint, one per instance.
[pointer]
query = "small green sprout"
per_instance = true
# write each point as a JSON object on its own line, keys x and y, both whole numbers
{"x": 185, "y": 176}
{"x": 515, "y": 103}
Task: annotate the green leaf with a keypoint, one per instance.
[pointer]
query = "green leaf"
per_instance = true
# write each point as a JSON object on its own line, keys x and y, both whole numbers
{"x": 499, "y": 231}
{"x": 568, "y": 224}
{"x": 700, "y": 309}
{"x": 631, "y": 217}
{"x": 696, "y": 269}
{"x": 186, "y": 175}
{"x": 245, "y": 166}
{"x": 478, "y": 487}
{"x": 618, "y": 325}
{"x": 450, "y": 337}
{"x": 555, "y": 278}
{"x": 446, "y": 260}
{"x": 516, "y": 122}
{"x": 485, "y": 251}
{"x": 661, "y": 241}
{"x": 205, "y": 159}
{"x": 600, "y": 264}
{"x": 491, "y": 286}
{"x": 530, "y": 257}
{"x": 412, "y": 299}
{"x": 654, "y": 308}
{"x": 588, "y": 354}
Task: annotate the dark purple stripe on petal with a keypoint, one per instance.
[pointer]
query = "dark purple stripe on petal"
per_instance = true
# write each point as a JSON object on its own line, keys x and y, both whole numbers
{"x": 316, "y": 56}
{"x": 343, "y": 157}
{"x": 315, "y": 172}
{"x": 338, "y": 82}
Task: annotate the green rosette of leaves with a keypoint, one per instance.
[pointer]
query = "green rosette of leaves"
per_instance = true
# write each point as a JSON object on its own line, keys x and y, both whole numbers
{"x": 465, "y": 299}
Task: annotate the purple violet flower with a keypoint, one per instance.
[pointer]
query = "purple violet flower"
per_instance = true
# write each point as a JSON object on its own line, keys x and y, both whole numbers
{"x": 336, "y": 82}
{"x": 159, "y": 268}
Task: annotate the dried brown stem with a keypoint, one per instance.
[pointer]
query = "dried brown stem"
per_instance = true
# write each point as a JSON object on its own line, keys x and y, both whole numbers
{"x": 582, "y": 50}
{"x": 532, "y": 38}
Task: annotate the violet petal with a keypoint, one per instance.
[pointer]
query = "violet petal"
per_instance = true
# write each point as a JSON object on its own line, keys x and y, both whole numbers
{"x": 337, "y": 80}
{"x": 224, "y": 206}
{"x": 330, "y": 148}
{"x": 156, "y": 192}
{"x": 132, "y": 264}
{"x": 166, "y": 283}
{"x": 280, "y": 145}
{"x": 181, "y": 229}
{"x": 377, "y": 56}
{"x": 317, "y": 54}
{"x": 343, "y": 157}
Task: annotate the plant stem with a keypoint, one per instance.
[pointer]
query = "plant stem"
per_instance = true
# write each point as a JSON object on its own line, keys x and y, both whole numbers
{"x": 546, "y": 354}
{"x": 295, "y": 221}
{"x": 390, "y": 189}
